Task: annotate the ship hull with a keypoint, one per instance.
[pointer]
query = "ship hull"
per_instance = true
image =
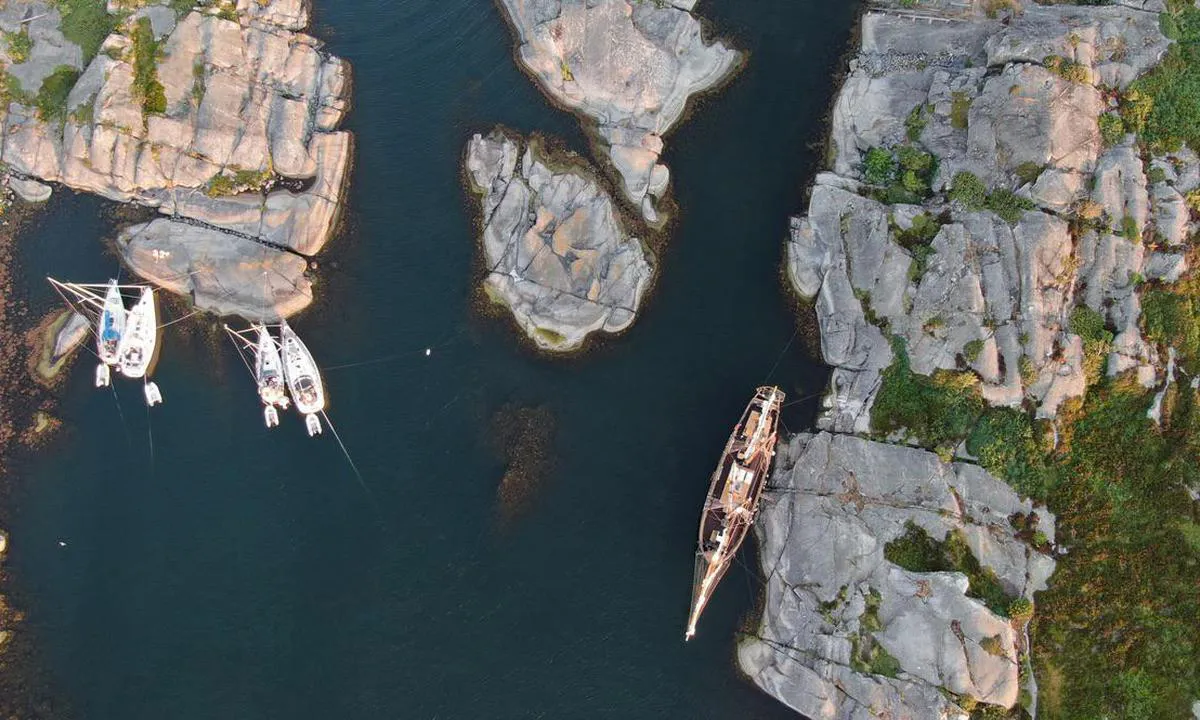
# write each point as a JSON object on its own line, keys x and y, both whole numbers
{"x": 733, "y": 496}
{"x": 140, "y": 339}
{"x": 300, "y": 370}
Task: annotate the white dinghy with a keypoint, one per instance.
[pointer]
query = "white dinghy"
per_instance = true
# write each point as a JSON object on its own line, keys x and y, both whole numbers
{"x": 303, "y": 378}
{"x": 110, "y": 328}
{"x": 139, "y": 343}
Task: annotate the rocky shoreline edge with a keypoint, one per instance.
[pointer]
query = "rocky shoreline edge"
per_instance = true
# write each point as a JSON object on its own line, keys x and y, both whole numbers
{"x": 998, "y": 255}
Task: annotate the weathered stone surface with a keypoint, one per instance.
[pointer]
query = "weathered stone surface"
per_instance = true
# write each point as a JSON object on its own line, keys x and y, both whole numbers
{"x": 30, "y": 190}
{"x": 556, "y": 251}
{"x": 221, "y": 272}
{"x": 248, "y": 101}
{"x": 994, "y": 296}
{"x": 835, "y": 502}
{"x": 72, "y": 333}
{"x": 627, "y": 66}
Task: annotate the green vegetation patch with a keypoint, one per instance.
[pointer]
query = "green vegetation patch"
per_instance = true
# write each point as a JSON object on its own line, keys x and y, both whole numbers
{"x": 970, "y": 192}
{"x": 937, "y": 411}
{"x": 1171, "y": 318}
{"x": 900, "y": 175}
{"x": 1028, "y": 172}
{"x": 145, "y": 69}
{"x": 86, "y": 23}
{"x": 19, "y": 45}
{"x": 1068, "y": 69}
{"x": 1168, "y": 97}
{"x": 1112, "y": 129}
{"x": 1115, "y": 636}
{"x": 1097, "y": 341}
{"x": 916, "y": 551}
{"x": 960, "y": 110}
{"x": 1006, "y": 444}
{"x": 916, "y": 121}
{"x": 11, "y": 90}
{"x": 240, "y": 181}
{"x": 51, "y": 99}
{"x": 551, "y": 337}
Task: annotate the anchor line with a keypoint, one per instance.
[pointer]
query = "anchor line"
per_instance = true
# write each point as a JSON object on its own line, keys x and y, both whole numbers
{"x": 357, "y": 475}
{"x": 150, "y": 436}
{"x": 121, "y": 415}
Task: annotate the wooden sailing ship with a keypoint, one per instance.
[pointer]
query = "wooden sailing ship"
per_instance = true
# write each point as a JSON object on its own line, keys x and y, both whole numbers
{"x": 733, "y": 496}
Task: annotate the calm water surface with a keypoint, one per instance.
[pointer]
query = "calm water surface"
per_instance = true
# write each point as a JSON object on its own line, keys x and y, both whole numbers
{"x": 215, "y": 570}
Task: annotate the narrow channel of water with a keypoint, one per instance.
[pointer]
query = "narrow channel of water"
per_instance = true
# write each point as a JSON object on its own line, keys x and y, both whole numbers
{"x": 213, "y": 569}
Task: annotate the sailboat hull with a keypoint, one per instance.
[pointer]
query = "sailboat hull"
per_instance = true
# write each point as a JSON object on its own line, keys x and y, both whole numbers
{"x": 733, "y": 496}
{"x": 300, "y": 370}
{"x": 140, "y": 340}
{"x": 110, "y": 329}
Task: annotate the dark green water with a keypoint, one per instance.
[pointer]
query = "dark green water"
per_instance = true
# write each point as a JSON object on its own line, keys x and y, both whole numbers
{"x": 229, "y": 572}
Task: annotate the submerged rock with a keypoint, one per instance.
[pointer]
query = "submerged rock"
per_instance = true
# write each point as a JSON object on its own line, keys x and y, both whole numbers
{"x": 241, "y": 104}
{"x": 627, "y": 66}
{"x": 835, "y": 603}
{"x": 54, "y": 341}
{"x": 556, "y": 251}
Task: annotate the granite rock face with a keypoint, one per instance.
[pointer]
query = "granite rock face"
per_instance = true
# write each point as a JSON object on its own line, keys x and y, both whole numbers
{"x": 556, "y": 251}
{"x": 833, "y": 504}
{"x": 990, "y": 294}
{"x": 244, "y": 145}
{"x": 628, "y": 67}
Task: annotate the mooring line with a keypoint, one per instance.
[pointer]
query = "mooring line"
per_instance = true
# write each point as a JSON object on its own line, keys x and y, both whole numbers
{"x": 779, "y": 359}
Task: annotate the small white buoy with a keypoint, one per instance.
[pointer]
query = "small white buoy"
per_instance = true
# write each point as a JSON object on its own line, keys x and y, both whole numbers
{"x": 428, "y": 352}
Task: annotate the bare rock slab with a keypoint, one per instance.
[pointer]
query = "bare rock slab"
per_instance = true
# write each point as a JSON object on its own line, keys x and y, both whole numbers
{"x": 250, "y": 108}
{"x": 628, "y": 67}
{"x": 221, "y": 272}
{"x": 835, "y": 502}
{"x": 556, "y": 251}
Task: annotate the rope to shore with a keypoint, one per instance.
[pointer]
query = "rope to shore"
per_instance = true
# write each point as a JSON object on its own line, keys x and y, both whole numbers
{"x": 779, "y": 359}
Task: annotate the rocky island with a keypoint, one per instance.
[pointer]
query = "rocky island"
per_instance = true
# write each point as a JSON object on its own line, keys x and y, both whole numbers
{"x": 628, "y": 68}
{"x": 1000, "y": 263}
{"x": 556, "y": 250}
{"x": 221, "y": 116}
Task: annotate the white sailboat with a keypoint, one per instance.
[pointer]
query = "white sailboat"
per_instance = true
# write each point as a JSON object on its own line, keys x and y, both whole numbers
{"x": 268, "y": 374}
{"x": 126, "y": 340}
{"x": 139, "y": 343}
{"x": 109, "y": 330}
{"x": 303, "y": 378}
